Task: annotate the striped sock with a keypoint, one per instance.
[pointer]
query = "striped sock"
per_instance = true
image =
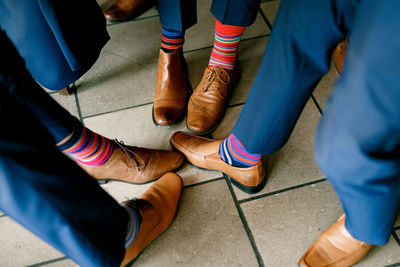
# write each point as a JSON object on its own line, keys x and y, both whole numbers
{"x": 226, "y": 43}
{"x": 233, "y": 152}
{"x": 172, "y": 40}
{"x": 133, "y": 226}
{"x": 88, "y": 148}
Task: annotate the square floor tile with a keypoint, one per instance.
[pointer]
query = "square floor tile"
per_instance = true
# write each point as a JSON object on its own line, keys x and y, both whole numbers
{"x": 325, "y": 86}
{"x": 270, "y": 9}
{"x": 115, "y": 83}
{"x": 207, "y": 231}
{"x": 68, "y": 102}
{"x": 294, "y": 163}
{"x": 286, "y": 224}
{"x": 135, "y": 126}
{"x": 20, "y": 247}
{"x": 137, "y": 41}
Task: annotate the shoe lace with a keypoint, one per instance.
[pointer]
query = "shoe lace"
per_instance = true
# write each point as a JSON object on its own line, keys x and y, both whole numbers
{"x": 210, "y": 77}
{"x": 132, "y": 156}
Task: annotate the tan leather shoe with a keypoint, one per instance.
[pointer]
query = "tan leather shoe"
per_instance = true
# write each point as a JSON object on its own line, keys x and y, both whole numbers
{"x": 157, "y": 208}
{"x": 207, "y": 104}
{"x": 127, "y": 9}
{"x": 203, "y": 153}
{"x": 339, "y": 55}
{"x": 135, "y": 165}
{"x": 335, "y": 248}
{"x": 171, "y": 89}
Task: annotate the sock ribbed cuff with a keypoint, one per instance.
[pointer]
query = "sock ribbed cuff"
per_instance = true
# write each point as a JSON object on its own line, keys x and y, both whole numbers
{"x": 172, "y": 40}
{"x": 233, "y": 152}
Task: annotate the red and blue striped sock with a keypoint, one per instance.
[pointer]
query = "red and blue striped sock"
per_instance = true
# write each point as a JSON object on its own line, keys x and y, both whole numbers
{"x": 226, "y": 42}
{"x": 233, "y": 152}
{"x": 133, "y": 226}
{"x": 172, "y": 40}
{"x": 88, "y": 148}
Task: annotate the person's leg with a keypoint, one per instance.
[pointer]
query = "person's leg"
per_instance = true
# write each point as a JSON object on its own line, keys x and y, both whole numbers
{"x": 359, "y": 136}
{"x": 358, "y": 139}
{"x": 297, "y": 56}
{"x": 207, "y": 104}
{"x": 172, "y": 86}
{"x": 38, "y": 184}
{"x": 83, "y": 222}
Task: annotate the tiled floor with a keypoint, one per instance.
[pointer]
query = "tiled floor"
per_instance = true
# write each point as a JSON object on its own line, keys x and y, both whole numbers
{"x": 216, "y": 224}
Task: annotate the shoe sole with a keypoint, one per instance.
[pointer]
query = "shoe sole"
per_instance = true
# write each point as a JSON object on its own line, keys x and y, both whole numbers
{"x": 244, "y": 188}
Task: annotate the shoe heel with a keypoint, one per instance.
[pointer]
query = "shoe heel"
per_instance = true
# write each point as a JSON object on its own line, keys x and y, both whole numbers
{"x": 245, "y": 188}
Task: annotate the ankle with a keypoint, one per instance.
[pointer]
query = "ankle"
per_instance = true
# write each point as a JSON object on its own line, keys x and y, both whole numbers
{"x": 233, "y": 152}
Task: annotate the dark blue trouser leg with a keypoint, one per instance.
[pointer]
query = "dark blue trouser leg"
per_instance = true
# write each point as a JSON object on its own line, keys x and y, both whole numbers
{"x": 297, "y": 56}
{"x": 180, "y": 15}
{"x": 358, "y": 141}
{"x": 177, "y": 15}
{"x": 44, "y": 190}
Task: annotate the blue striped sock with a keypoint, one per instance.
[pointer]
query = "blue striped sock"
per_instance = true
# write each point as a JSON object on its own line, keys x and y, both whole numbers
{"x": 172, "y": 40}
{"x": 133, "y": 226}
{"x": 232, "y": 151}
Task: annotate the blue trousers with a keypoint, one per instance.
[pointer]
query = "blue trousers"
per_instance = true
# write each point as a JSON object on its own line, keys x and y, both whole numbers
{"x": 179, "y": 15}
{"x": 43, "y": 189}
{"x": 58, "y": 39}
{"x": 358, "y": 139}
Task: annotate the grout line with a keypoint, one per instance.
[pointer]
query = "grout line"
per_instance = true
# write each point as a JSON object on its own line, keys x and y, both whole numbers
{"x": 396, "y": 228}
{"x": 396, "y": 237}
{"x": 317, "y": 104}
{"x": 235, "y": 105}
{"x": 393, "y": 265}
{"x": 204, "y": 182}
{"x": 108, "y": 112}
{"x": 281, "y": 191}
{"x": 131, "y": 20}
{"x": 242, "y": 40}
{"x": 245, "y": 224}
{"x": 47, "y": 262}
{"x": 265, "y": 18}
{"x": 78, "y": 106}
{"x": 3, "y": 215}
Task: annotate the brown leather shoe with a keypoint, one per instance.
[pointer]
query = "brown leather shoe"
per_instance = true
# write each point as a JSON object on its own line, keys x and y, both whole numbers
{"x": 335, "y": 248}
{"x": 339, "y": 55}
{"x": 127, "y": 9}
{"x": 207, "y": 104}
{"x": 203, "y": 153}
{"x": 156, "y": 208}
{"x": 135, "y": 165}
{"x": 171, "y": 89}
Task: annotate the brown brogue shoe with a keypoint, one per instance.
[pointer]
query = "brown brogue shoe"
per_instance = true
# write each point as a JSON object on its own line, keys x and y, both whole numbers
{"x": 135, "y": 165}
{"x": 157, "y": 208}
{"x": 171, "y": 89}
{"x": 335, "y": 248}
{"x": 207, "y": 104}
{"x": 339, "y": 55}
{"x": 203, "y": 153}
{"x": 127, "y": 9}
